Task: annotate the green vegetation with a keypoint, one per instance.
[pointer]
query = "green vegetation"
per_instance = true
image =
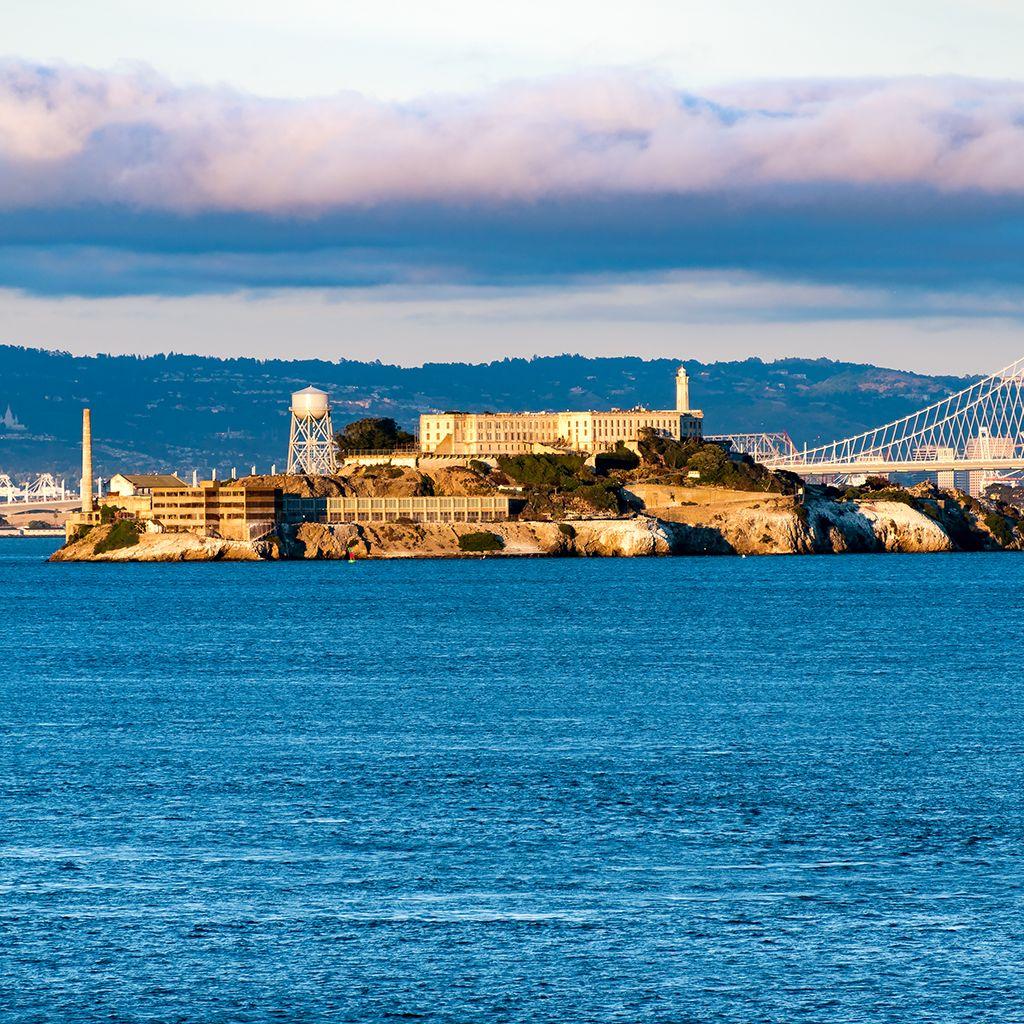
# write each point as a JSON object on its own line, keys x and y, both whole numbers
{"x": 567, "y": 530}
{"x": 107, "y": 514}
{"x": 560, "y": 485}
{"x": 123, "y": 534}
{"x": 999, "y": 528}
{"x": 373, "y": 433}
{"x": 561, "y": 471}
{"x": 482, "y": 541}
{"x": 478, "y": 466}
{"x": 714, "y": 464}
{"x": 885, "y": 493}
{"x": 39, "y": 524}
{"x": 602, "y": 495}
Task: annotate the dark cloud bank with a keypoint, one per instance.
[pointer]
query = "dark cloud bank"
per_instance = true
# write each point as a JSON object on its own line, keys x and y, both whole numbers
{"x": 124, "y": 184}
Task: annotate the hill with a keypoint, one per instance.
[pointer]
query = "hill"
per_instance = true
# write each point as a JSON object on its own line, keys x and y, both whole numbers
{"x": 180, "y": 411}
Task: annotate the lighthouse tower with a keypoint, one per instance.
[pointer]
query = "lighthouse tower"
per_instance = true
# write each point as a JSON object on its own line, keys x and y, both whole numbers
{"x": 682, "y": 390}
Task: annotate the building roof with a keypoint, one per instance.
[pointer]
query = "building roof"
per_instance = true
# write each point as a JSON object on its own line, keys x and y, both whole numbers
{"x": 152, "y": 480}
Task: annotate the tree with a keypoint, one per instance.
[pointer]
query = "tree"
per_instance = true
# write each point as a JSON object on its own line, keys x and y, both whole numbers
{"x": 373, "y": 432}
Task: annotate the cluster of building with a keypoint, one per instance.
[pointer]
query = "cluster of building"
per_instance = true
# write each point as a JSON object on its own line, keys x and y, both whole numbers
{"x": 248, "y": 509}
{"x": 501, "y": 433}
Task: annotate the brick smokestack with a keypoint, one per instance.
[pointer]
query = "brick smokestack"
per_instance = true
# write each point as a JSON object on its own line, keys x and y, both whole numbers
{"x": 86, "y": 461}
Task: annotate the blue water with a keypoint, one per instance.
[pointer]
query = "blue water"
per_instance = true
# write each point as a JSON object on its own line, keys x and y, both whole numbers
{"x": 671, "y": 790}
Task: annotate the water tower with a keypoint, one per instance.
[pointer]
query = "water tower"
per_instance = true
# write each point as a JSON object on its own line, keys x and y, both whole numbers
{"x": 311, "y": 446}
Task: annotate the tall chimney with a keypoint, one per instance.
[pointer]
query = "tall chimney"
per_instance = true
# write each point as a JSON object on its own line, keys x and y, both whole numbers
{"x": 86, "y": 461}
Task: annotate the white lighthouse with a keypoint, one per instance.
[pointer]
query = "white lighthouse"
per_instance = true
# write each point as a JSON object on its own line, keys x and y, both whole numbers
{"x": 311, "y": 445}
{"x": 682, "y": 390}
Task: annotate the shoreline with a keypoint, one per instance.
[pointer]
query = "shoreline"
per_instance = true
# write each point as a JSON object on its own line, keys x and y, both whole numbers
{"x": 699, "y": 521}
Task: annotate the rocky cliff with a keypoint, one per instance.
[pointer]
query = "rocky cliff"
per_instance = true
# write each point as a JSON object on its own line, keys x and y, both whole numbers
{"x": 670, "y": 521}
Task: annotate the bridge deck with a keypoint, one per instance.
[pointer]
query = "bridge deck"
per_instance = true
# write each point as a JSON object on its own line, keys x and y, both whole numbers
{"x": 905, "y": 466}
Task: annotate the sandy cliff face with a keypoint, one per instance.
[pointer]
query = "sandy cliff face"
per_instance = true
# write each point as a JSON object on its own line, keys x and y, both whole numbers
{"x": 874, "y": 526}
{"x": 711, "y": 520}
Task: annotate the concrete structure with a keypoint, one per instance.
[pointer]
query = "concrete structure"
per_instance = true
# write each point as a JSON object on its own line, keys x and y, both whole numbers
{"x": 227, "y": 510}
{"x": 86, "y": 461}
{"x": 126, "y": 485}
{"x": 87, "y": 515}
{"x": 311, "y": 447}
{"x": 477, "y": 434}
{"x": 986, "y": 446}
{"x": 933, "y": 453}
{"x": 296, "y": 508}
{"x": 464, "y": 509}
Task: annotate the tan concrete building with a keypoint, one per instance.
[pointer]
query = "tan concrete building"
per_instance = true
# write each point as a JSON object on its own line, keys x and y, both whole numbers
{"x": 230, "y": 510}
{"x": 128, "y": 485}
{"x": 467, "y": 433}
{"x": 455, "y": 509}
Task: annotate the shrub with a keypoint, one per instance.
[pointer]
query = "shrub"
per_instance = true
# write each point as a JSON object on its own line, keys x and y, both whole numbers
{"x": 999, "y": 528}
{"x": 602, "y": 496}
{"x": 478, "y": 466}
{"x": 877, "y": 483}
{"x": 568, "y": 530}
{"x": 373, "y": 433}
{"x": 715, "y": 465}
{"x": 543, "y": 470}
{"x": 107, "y": 514}
{"x": 39, "y": 524}
{"x": 123, "y": 534}
{"x": 482, "y": 541}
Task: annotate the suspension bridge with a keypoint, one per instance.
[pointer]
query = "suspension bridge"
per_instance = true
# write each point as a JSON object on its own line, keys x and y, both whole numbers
{"x": 978, "y": 429}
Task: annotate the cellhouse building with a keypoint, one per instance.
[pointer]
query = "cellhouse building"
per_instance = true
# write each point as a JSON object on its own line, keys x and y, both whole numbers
{"x": 507, "y": 433}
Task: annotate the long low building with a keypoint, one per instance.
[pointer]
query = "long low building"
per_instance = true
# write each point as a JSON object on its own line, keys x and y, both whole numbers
{"x": 513, "y": 433}
{"x": 435, "y": 509}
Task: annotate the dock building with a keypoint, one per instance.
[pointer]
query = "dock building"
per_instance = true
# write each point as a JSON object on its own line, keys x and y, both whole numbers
{"x": 515, "y": 433}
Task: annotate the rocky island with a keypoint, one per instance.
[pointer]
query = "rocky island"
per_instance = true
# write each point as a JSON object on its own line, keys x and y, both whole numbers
{"x": 658, "y": 497}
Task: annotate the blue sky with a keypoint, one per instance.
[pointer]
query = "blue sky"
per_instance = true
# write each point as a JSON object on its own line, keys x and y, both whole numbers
{"x": 468, "y": 180}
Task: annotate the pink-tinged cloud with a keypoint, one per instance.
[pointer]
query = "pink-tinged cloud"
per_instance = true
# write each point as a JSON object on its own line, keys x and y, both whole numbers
{"x": 71, "y": 135}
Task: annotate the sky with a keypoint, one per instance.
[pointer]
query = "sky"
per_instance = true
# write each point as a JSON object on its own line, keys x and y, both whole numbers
{"x": 469, "y": 180}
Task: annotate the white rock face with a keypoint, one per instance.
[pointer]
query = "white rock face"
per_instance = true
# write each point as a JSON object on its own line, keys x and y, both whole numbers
{"x": 899, "y": 527}
{"x": 627, "y": 538}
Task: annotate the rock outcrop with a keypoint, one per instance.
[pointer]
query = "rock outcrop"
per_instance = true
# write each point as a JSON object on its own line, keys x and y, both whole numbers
{"x": 673, "y": 521}
{"x": 157, "y": 547}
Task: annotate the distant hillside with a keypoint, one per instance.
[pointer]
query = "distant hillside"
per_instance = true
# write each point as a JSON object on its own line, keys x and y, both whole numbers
{"x": 179, "y": 412}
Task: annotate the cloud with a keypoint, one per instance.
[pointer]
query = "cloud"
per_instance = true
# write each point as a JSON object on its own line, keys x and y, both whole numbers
{"x": 74, "y": 135}
{"x": 124, "y": 183}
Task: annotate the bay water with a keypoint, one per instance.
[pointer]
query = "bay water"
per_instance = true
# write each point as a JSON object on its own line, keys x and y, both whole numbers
{"x": 720, "y": 789}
